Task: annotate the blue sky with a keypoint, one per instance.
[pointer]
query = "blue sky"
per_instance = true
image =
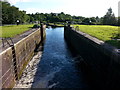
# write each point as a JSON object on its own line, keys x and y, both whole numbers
{"x": 87, "y": 8}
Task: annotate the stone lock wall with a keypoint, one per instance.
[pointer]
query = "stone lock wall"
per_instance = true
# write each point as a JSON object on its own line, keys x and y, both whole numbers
{"x": 24, "y": 50}
{"x": 102, "y": 60}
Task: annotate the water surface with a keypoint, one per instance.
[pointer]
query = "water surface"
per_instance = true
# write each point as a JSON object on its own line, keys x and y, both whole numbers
{"x": 59, "y": 66}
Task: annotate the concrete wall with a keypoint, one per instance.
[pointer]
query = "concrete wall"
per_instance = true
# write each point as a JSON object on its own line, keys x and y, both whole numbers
{"x": 101, "y": 59}
{"x": 24, "y": 50}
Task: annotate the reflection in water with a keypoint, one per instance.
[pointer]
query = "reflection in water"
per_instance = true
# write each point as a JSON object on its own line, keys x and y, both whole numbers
{"x": 59, "y": 65}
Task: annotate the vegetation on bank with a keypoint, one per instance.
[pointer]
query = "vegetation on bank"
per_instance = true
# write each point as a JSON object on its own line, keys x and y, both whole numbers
{"x": 10, "y": 15}
{"x": 13, "y": 30}
{"x": 109, "y": 34}
{"x": 57, "y": 24}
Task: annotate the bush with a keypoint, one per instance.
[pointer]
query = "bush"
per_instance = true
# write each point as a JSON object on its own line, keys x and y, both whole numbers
{"x": 36, "y": 26}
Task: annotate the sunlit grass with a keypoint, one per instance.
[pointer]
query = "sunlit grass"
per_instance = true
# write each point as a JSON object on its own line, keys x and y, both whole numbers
{"x": 13, "y": 30}
{"x": 102, "y": 32}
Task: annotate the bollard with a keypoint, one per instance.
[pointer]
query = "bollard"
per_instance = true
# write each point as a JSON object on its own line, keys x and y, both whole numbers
{"x": 41, "y": 29}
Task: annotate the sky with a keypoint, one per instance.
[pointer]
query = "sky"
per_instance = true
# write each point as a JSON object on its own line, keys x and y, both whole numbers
{"x": 86, "y": 8}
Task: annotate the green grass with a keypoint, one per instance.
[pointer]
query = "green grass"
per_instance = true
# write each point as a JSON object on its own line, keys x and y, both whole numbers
{"x": 13, "y": 30}
{"x": 56, "y": 24}
{"x": 102, "y": 32}
{"x": 59, "y": 24}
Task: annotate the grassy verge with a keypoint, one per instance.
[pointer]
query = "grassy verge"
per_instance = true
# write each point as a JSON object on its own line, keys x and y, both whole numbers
{"x": 106, "y": 33}
{"x": 56, "y": 24}
{"x": 13, "y": 30}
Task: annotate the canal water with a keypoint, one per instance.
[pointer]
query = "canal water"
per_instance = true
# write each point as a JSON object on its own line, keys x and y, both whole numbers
{"x": 59, "y": 65}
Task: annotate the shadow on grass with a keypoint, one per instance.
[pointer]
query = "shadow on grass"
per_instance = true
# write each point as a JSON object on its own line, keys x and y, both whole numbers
{"x": 30, "y": 27}
{"x": 115, "y": 43}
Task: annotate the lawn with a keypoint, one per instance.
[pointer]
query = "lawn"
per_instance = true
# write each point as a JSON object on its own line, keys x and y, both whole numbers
{"x": 13, "y": 30}
{"x": 106, "y": 33}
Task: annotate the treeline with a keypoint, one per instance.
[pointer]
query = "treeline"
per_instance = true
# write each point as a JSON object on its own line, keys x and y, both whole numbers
{"x": 10, "y": 14}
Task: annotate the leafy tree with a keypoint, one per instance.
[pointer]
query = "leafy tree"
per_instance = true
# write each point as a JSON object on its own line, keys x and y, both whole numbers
{"x": 31, "y": 19}
{"x": 5, "y": 7}
{"x": 86, "y": 21}
{"x": 109, "y": 18}
{"x": 10, "y": 14}
{"x": 93, "y": 20}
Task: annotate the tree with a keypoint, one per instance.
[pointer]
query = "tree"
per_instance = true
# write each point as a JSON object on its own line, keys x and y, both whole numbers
{"x": 5, "y": 6}
{"x": 109, "y": 18}
{"x": 86, "y": 21}
{"x": 10, "y": 14}
{"x": 93, "y": 20}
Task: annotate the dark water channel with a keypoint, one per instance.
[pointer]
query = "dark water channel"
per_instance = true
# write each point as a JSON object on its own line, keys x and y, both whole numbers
{"x": 59, "y": 66}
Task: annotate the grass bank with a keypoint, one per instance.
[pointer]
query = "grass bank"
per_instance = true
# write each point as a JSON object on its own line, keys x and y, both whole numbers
{"x": 105, "y": 33}
{"x": 13, "y": 30}
{"x": 56, "y": 24}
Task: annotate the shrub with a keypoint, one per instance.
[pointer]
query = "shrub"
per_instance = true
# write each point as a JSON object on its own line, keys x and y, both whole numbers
{"x": 36, "y": 26}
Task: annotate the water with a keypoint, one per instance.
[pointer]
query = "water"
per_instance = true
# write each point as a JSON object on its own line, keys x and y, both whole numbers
{"x": 59, "y": 66}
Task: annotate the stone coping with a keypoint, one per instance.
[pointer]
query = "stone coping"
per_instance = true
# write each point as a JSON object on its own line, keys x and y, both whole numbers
{"x": 18, "y": 42}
